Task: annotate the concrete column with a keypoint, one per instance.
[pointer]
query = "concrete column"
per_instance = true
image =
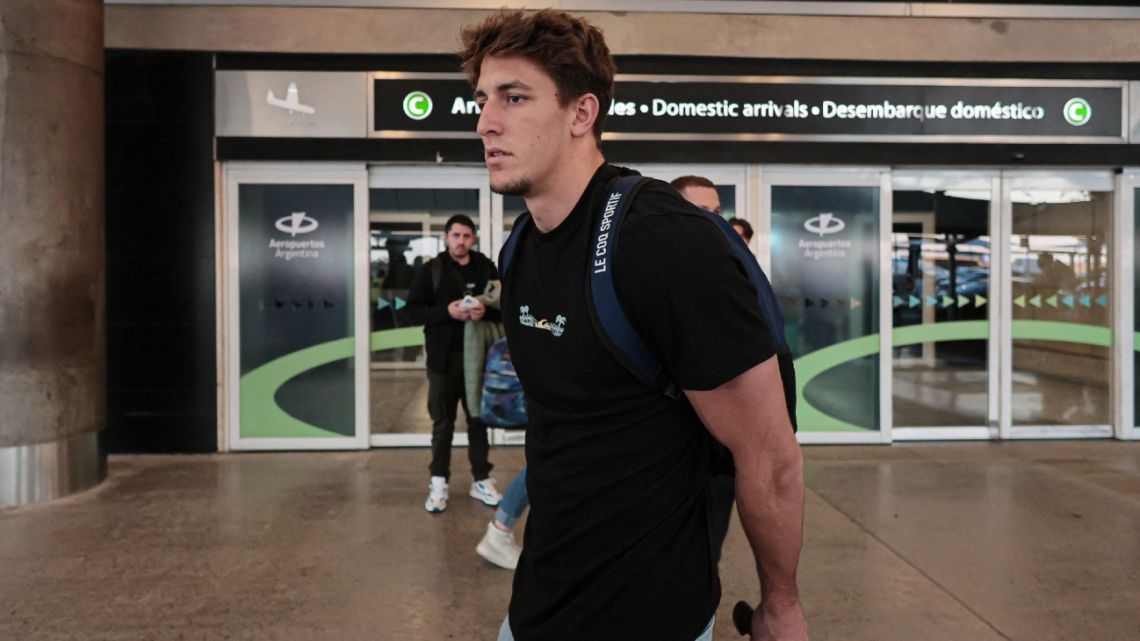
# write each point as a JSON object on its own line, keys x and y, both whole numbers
{"x": 52, "y": 265}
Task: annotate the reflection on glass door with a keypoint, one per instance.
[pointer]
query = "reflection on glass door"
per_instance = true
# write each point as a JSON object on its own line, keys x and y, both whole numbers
{"x": 940, "y": 280}
{"x": 406, "y": 229}
{"x": 1061, "y": 278}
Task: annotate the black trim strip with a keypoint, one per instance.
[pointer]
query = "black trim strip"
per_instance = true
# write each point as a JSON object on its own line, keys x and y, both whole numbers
{"x": 895, "y": 154}
{"x": 723, "y": 66}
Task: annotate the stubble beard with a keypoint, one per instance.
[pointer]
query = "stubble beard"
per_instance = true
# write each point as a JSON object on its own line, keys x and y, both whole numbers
{"x": 516, "y": 187}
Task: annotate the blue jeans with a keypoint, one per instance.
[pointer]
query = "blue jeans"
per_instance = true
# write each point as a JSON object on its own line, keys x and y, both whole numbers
{"x": 505, "y": 631}
{"x": 514, "y": 501}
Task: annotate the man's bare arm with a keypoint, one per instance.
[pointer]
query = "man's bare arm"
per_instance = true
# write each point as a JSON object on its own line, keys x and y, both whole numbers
{"x": 749, "y": 416}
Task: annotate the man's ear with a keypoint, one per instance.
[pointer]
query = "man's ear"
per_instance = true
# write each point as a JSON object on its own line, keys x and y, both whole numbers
{"x": 585, "y": 114}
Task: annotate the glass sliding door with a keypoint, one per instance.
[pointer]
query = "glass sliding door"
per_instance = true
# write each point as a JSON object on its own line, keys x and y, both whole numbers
{"x": 408, "y": 209}
{"x": 405, "y": 232}
{"x": 828, "y": 263}
{"x": 944, "y": 378}
{"x": 1060, "y": 246}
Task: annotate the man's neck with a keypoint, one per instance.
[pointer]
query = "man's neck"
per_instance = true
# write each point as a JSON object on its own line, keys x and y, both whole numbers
{"x": 552, "y": 205}
{"x": 463, "y": 260}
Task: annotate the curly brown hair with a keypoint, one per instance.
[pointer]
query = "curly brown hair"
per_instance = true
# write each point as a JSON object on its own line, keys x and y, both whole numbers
{"x": 570, "y": 50}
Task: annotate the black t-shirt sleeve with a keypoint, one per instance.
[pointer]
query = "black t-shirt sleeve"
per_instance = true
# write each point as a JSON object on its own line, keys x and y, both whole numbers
{"x": 686, "y": 294}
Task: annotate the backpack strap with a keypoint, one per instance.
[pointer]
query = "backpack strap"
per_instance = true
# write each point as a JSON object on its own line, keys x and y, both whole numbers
{"x": 606, "y": 312}
{"x": 610, "y": 320}
{"x": 765, "y": 295}
{"x": 436, "y": 274}
{"x": 522, "y": 224}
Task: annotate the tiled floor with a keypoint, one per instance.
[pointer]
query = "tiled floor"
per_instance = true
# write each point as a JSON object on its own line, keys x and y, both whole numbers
{"x": 1032, "y": 541}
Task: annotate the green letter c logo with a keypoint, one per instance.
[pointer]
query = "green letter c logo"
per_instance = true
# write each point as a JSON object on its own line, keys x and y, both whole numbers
{"x": 417, "y": 105}
{"x": 1077, "y": 112}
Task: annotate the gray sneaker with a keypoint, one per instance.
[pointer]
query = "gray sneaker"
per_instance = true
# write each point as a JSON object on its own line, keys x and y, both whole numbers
{"x": 499, "y": 547}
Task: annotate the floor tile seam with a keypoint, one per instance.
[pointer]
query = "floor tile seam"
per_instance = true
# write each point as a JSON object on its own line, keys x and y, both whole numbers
{"x": 898, "y": 554}
{"x": 1077, "y": 479}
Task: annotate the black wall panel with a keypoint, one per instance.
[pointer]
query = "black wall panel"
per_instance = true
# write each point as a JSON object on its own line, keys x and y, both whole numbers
{"x": 161, "y": 363}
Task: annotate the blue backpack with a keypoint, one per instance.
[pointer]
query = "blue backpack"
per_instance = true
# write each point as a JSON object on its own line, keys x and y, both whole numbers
{"x": 502, "y": 402}
{"x": 611, "y": 322}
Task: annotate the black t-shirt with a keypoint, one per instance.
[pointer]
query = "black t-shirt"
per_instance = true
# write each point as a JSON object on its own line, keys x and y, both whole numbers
{"x": 427, "y": 303}
{"x": 617, "y": 545}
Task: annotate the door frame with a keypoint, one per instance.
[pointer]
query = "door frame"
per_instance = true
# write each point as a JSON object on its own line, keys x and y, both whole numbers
{"x": 407, "y": 176}
{"x": 1124, "y": 288}
{"x": 842, "y": 176}
{"x": 235, "y": 174}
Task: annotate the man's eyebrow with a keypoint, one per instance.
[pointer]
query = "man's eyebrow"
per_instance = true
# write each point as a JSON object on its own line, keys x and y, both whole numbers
{"x": 505, "y": 87}
{"x": 514, "y": 84}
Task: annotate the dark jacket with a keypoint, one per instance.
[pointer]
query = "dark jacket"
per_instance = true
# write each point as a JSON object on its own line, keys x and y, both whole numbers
{"x": 429, "y": 308}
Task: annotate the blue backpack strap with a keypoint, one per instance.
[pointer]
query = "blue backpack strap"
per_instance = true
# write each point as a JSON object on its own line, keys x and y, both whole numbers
{"x": 609, "y": 318}
{"x": 507, "y": 253}
{"x": 765, "y": 295}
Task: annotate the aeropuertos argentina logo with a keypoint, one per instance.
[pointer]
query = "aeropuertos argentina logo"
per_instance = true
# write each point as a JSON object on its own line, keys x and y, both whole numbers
{"x": 417, "y": 105}
{"x": 825, "y": 223}
{"x": 295, "y": 223}
{"x": 1077, "y": 112}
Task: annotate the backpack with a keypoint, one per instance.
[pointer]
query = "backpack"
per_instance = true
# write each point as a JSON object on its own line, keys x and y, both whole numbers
{"x": 502, "y": 402}
{"x": 611, "y": 322}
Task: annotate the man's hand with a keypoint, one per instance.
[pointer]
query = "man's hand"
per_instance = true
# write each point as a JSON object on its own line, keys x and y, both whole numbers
{"x": 456, "y": 310}
{"x": 779, "y": 619}
{"x": 477, "y": 312}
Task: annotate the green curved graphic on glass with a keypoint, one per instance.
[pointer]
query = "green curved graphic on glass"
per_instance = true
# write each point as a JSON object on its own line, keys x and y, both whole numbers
{"x": 261, "y": 417}
{"x": 811, "y": 365}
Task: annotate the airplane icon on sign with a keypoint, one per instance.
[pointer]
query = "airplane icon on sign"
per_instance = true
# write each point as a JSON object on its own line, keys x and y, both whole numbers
{"x": 291, "y": 102}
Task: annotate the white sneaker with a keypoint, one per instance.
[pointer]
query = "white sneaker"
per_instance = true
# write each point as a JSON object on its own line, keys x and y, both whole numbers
{"x": 437, "y": 496}
{"x": 485, "y": 491}
{"x": 499, "y": 547}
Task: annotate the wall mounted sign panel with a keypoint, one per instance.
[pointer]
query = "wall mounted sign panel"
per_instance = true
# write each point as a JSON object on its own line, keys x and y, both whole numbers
{"x": 647, "y": 107}
{"x": 291, "y": 104}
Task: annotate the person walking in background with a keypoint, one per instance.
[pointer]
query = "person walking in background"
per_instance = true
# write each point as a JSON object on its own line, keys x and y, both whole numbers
{"x": 743, "y": 228}
{"x": 698, "y": 190}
